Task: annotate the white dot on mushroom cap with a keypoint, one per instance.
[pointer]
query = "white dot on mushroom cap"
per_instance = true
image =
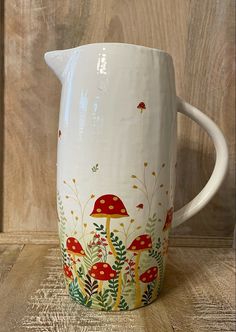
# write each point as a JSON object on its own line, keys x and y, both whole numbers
{"x": 155, "y": 275}
{"x": 68, "y": 241}
{"x": 98, "y": 210}
{"x": 115, "y": 198}
{"x": 133, "y": 247}
{"x": 149, "y": 245}
{"x": 95, "y": 267}
{"x": 112, "y": 274}
{"x": 142, "y": 242}
{"x": 151, "y": 276}
{"x": 154, "y": 269}
{"x": 138, "y": 238}
{"x": 102, "y": 272}
{"x": 144, "y": 279}
{"x": 93, "y": 274}
{"x": 122, "y": 210}
{"x": 75, "y": 241}
{"x": 102, "y": 201}
{"x": 148, "y": 236}
{"x": 73, "y": 247}
{"x": 105, "y": 265}
{"x": 111, "y": 207}
{"x": 149, "y": 271}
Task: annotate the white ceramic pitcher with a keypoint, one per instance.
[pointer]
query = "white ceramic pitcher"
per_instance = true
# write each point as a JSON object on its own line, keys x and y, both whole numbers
{"x": 116, "y": 170}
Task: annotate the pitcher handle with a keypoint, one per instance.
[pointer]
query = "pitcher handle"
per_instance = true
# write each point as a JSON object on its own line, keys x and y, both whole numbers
{"x": 221, "y": 164}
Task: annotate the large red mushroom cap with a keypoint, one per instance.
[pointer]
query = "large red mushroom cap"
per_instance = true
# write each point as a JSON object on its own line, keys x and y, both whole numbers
{"x": 102, "y": 271}
{"x": 141, "y": 243}
{"x": 109, "y": 206}
{"x": 68, "y": 272}
{"x": 74, "y": 247}
{"x": 149, "y": 275}
{"x": 169, "y": 218}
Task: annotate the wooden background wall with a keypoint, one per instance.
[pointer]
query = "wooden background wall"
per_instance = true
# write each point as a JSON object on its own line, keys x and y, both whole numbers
{"x": 200, "y": 37}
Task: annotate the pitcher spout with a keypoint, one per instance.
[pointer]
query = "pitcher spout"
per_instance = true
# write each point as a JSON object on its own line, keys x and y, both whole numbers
{"x": 58, "y": 61}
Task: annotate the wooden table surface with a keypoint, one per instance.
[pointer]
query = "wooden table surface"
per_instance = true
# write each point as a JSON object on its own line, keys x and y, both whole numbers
{"x": 198, "y": 294}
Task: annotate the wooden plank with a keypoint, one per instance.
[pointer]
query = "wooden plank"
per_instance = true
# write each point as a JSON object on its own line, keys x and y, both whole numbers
{"x": 209, "y": 84}
{"x": 175, "y": 241}
{"x": 198, "y": 295}
{"x": 8, "y": 256}
{"x": 201, "y": 40}
{"x": 1, "y": 108}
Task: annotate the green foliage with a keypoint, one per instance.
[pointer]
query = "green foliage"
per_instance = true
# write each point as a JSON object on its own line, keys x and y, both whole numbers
{"x": 123, "y": 304}
{"x": 151, "y": 225}
{"x": 95, "y": 168}
{"x": 61, "y": 216}
{"x": 147, "y": 296}
{"x": 81, "y": 271}
{"x": 120, "y": 251}
{"x": 128, "y": 287}
{"x": 91, "y": 287}
{"x": 91, "y": 256}
{"x": 117, "y": 266}
{"x": 65, "y": 257}
{"x": 76, "y": 294}
{"x": 104, "y": 300}
{"x": 100, "y": 228}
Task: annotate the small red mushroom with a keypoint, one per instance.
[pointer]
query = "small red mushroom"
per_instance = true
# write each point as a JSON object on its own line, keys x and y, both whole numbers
{"x": 74, "y": 249}
{"x": 68, "y": 272}
{"x": 141, "y": 106}
{"x": 169, "y": 218}
{"x": 102, "y": 271}
{"x": 139, "y": 244}
{"x": 149, "y": 275}
{"x": 139, "y": 206}
{"x": 59, "y": 133}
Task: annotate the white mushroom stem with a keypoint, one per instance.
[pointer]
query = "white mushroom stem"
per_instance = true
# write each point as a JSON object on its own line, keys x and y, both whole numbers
{"x": 137, "y": 283}
{"x": 109, "y": 236}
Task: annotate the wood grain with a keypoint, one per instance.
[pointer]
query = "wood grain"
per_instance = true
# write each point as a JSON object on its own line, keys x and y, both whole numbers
{"x": 8, "y": 256}
{"x": 198, "y": 295}
{"x": 1, "y": 108}
{"x": 201, "y": 41}
{"x": 174, "y": 240}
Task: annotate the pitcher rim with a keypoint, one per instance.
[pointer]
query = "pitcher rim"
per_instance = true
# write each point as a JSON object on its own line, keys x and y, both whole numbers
{"x": 160, "y": 51}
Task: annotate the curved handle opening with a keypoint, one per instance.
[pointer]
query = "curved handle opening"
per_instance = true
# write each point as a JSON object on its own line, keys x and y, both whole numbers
{"x": 221, "y": 164}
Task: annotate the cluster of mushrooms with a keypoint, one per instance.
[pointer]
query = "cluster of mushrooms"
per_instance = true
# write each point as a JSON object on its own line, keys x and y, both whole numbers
{"x": 110, "y": 206}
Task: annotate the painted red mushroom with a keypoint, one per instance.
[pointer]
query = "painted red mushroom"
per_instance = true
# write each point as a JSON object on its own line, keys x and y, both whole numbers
{"x": 75, "y": 249}
{"x": 109, "y": 206}
{"x": 141, "y": 106}
{"x": 149, "y": 275}
{"x": 67, "y": 271}
{"x": 139, "y": 244}
{"x": 169, "y": 218}
{"x": 139, "y": 206}
{"x": 102, "y": 272}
